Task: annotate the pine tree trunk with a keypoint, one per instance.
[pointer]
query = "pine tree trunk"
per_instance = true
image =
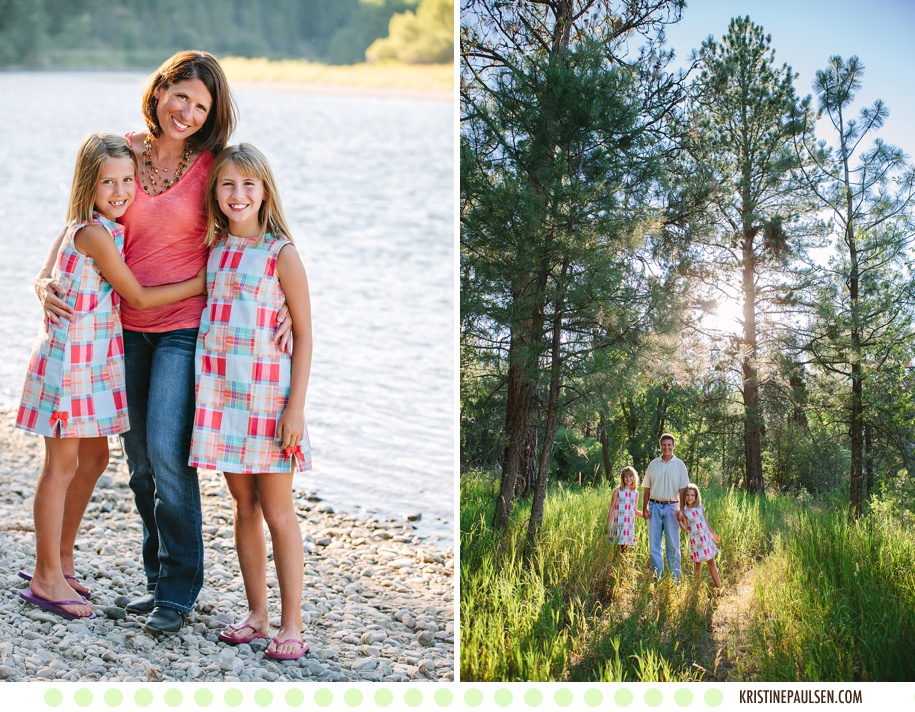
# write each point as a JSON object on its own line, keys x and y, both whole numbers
{"x": 517, "y": 416}
{"x": 552, "y": 419}
{"x": 869, "y": 455}
{"x": 520, "y": 423}
{"x": 605, "y": 446}
{"x": 856, "y": 426}
{"x": 527, "y": 472}
{"x": 856, "y": 498}
{"x": 752, "y": 422}
{"x": 856, "y": 476}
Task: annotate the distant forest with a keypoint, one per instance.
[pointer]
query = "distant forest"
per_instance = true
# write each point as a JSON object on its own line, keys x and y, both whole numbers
{"x": 80, "y": 33}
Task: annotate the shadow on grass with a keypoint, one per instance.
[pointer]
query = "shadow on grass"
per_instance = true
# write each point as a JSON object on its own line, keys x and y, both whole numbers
{"x": 649, "y": 631}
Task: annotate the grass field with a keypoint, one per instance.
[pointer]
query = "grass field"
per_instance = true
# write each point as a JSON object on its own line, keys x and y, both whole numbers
{"x": 807, "y": 596}
{"x": 437, "y": 78}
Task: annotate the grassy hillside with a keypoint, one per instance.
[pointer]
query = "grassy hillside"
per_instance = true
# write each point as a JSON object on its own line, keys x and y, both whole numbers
{"x": 437, "y": 78}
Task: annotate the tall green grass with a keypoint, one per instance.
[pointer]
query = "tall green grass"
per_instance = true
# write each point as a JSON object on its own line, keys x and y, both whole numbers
{"x": 576, "y": 610}
{"x": 836, "y": 602}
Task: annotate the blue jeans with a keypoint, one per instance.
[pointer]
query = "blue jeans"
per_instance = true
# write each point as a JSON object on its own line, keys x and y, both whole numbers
{"x": 663, "y": 521}
{"x": 160, "y": 403}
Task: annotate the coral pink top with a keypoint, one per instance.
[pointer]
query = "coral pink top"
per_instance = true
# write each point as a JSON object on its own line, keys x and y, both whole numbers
{"x": 164, "y": 244}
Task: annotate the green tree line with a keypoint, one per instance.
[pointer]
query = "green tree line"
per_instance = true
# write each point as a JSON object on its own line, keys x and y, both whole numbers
{"x": 73, "y": 32}
{"x": 611, "y": 204}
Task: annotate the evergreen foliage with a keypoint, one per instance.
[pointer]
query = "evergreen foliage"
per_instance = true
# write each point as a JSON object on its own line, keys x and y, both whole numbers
{"x": 561, "y": 157}
{"x": 136, "y": 33}
{"x": 422, "y": 37}
{"x": 573, "y": 284}
{"x": 861, "y": 327}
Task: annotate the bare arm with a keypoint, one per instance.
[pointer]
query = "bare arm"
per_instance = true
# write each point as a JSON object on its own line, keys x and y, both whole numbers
{"x": 646, "y": 493}
{"x": 291, "y": 272}
{"x": 681, "y": 520}
{"x": 613, "y": 501}
{"x": 48, "y": 290}
{"x": 684, "y": 479}
{"x": 710, "y": 530}
{"x": 94, "y": 241}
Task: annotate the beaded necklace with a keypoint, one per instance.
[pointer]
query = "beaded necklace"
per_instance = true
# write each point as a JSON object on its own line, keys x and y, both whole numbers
{"x": 151, "y": 170}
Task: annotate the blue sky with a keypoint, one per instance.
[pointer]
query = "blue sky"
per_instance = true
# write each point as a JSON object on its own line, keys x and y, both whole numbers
{"x": 805, "y": 33}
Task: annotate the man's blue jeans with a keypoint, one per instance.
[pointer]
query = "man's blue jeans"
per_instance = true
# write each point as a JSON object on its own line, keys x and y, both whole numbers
{"x": 663, "y": 522}
{"x": 160, "y": 403}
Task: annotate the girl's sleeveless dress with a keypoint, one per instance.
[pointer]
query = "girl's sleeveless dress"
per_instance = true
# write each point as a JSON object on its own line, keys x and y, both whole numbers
{"x": 624, "y": 517}
{"x": 701, "y": 545}
{"x": 74, "y": 385}
{"x": 243, "y": 378}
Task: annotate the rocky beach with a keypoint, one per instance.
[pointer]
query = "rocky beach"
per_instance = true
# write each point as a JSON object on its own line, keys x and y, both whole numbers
{"x": 378, "y": 602}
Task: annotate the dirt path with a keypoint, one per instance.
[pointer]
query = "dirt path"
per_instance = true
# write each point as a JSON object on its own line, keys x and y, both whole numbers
{"x": 729, "y": 626}
{"x": 715, "y": 644}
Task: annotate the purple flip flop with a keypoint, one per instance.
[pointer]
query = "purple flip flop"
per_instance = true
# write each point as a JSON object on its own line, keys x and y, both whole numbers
{"x": 54, "y": 606}
{"x": 238, "y": 640}
{"x": 287, "y": 656}
{"x": 86, "y": 595}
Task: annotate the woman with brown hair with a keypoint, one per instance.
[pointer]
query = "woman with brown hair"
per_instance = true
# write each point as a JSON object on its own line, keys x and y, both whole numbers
{"x": 190, "y": 114}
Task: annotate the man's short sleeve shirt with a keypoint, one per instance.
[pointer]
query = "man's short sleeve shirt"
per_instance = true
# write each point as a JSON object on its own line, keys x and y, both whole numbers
{"x": 666, "y": 479}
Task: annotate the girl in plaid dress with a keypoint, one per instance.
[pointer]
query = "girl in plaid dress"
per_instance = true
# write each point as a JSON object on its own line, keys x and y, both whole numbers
{"x": 250, "y": 421}
{"x": 702, "y": 540}
{"x": 74, "y": 387}
{"x": 623, "y": 510}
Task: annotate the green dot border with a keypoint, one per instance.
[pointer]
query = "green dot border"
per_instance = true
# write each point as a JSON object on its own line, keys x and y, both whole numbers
{"x": 376, "y": 697}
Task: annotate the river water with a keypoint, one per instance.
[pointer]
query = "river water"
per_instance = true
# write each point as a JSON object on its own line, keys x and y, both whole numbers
{"x": 367, "y": 184}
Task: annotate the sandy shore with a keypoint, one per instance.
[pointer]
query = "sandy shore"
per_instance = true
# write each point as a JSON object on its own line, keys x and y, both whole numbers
{"x": 378, "y": 603}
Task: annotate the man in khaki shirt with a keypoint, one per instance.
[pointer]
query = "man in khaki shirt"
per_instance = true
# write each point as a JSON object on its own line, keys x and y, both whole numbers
{"x": 663, "y": 488}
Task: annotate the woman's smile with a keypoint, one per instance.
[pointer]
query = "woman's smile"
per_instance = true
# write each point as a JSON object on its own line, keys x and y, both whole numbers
{"x": 183, "y": 108}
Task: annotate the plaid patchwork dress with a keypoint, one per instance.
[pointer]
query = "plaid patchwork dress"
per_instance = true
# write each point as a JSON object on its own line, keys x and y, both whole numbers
{"x": 701, "y": 545}
{"x": 623, "y": 530}
{"x": 74, "y": 385}
{"x": 243, "y": 379}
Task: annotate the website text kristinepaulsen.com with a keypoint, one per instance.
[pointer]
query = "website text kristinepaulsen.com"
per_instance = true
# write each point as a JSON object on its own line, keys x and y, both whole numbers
{"x": 802, "y": 697}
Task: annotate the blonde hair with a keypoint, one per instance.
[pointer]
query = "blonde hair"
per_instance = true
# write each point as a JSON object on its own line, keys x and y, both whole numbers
{"x": 253, "y": 163}
{"x": 92, "y": 153}
{"x": 629, "y": 470}
{"x": 695, "y": 490}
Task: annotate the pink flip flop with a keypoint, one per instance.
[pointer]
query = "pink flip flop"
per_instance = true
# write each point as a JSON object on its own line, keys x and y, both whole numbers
{"x": 55, "y": 606}
{"x": 287, "y": 656}
{"x": 236, "y": 640}
{"x": 87, "y": 594}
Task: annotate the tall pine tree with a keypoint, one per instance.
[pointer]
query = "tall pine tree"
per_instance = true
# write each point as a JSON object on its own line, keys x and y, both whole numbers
{"x": 745, "y": 115}
{"x": 864, "y": 303}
